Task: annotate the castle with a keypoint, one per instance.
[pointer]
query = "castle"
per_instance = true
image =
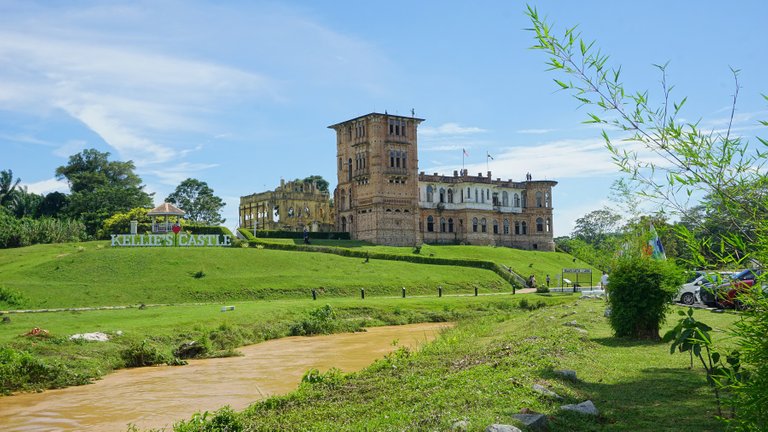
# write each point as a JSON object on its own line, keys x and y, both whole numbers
{"x": 381, "y": 197}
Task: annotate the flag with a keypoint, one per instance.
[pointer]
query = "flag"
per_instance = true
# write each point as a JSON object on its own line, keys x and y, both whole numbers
{"x": 465, "y": 152}
{"x": 489, "y": 155}
{"x": 654, "y": 243}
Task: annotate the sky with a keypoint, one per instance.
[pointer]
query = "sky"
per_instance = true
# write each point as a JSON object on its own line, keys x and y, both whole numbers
{"x": 239, "y": 94}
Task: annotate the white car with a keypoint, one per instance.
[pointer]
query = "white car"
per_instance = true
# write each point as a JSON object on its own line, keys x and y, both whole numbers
{"x": 688, "y": 293}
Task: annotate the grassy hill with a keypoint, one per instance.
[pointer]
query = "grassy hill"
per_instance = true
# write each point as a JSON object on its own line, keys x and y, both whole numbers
{"x": 522, "y": 262}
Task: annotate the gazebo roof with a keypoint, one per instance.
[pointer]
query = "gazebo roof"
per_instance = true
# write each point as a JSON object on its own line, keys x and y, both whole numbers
{"x": 166, "y": 209}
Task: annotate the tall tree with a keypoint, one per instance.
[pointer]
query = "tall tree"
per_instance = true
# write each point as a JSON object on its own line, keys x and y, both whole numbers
{"x": 7, "y": 187}
{"x": 101, "y": 188}
{"x": 596, "y": 226}
{"x": 322, "y": 184}
{"x": 196, "y": 198}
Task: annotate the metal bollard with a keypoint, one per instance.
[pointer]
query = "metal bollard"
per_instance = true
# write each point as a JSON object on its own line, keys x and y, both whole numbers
{"x": 314, "y": 295}
{"x": 439, "y": 291}
{"x": 403, "y": 292}
{"x": 362, "y": 293}
{"x": 475, "y": 291}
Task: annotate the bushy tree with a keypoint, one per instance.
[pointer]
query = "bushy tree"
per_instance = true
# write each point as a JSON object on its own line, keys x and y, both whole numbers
{"x": 196, "y": 198}
{"x": 596, "y": 226}
{"x": 101, "y": 188}
{"x": 120, "y": 223}
{"x": 687, "y": 162}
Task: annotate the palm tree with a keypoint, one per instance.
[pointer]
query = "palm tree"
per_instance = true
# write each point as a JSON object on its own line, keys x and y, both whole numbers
{"x": 7, "y": 186}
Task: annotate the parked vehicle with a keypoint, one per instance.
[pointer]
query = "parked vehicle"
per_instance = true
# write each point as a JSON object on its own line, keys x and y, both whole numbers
{"x": 687, "y": 293}
{"x": 725, "y": 295}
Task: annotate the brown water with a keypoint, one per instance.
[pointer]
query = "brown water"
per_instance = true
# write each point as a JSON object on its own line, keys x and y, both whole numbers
{"x": 159, "y": 396}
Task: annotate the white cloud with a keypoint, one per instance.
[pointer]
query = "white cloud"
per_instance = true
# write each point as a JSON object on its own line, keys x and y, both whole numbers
{"x": 535, "y": 131}
{"x": 46, "y": 186}
{"x": 449, "y": 129}
{"x": 173, "y": 174}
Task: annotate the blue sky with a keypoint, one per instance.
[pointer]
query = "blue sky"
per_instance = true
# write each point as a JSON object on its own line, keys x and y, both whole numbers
{"x": 239, "y": 94}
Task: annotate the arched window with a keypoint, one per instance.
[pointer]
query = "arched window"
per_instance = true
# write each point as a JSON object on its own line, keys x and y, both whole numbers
{"x": 549, "y": 225}
{"x": 539, "y": 225}
{"x": 306, "y": 211}
{"x": 546, "y": 199}
{"x": 469, "y": 193}
{"x": 476, "y": 195}
{"x": 506, "y": 226}
{"x": 430, "y": 192}
{"x": 505, "y": 199}
{"x": 430, "y": 223}
{"x": 539, "y": 199}
{"x": 349, "y": 170}
{"x": 450, "y": 224}
{"x": 517, "y": 228}
{"x": 290, "y": 211}
{"x": 350, "y": 204}
{"x": 474, "y": 224}
{"x": 495, "y": 226}
{"x": 343, "y": 224}
{"x": 524, "y": 199}
{"x": 450, "y": 195}
{"x": 340, "y": 164}
{"x": 517, "y": 200}
{"x": 524, "y": 227}
{"x": 483, "y": 225}
{"x": 442, "y": 224}
{"x": 442, "y": 195}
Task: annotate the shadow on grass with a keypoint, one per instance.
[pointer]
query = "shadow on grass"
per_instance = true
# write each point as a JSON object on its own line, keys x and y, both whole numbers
{"x": 663, "y": 399}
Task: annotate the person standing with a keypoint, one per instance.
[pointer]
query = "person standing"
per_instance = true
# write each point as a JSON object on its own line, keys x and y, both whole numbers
{"x": 547, "y": 281}
{"x": 604, "y": 284}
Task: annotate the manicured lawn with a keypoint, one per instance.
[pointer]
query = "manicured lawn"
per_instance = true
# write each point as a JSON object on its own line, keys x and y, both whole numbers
{"x": 94, "y": 274}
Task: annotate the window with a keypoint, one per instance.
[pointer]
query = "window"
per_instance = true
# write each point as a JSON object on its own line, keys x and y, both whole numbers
{"x": 483, "y": 226}
{"x": 517, "y": 200}
{"x": 524, "y": 199}
{"x": 474, "y": 224}
{"x": 343, "y": 224}
{"x": 495, "y": 226}
{"x": 430, "y": 223}
{"x": 342, "y": 200}
{"x": 506, "y": 226}
{"x": 430, "y": 193}
{"x": 450, "y": 195}
{"x": 306, "y": 211}
{"x": 539, "y": 199}
{"x": 469, "y": 193}
{"x": 505, "y": 199}
{"x": 397, "y": 127}
{"x": 539, "y": 225}
{"x": 517, "y": 227}
{"x": 442, "y": 195}
{"x": 475, "y": 195}
{"x": 349, "y": 167}
{"x": 340, "y": 164}
{"x": 546, "y": 199}
{"x": 450, "y": 224}
{"x": 350, "y": 204}
{"x": 549, "y": 225}
{"x": 442, "y": 224}
{"x": 524, "y": 227}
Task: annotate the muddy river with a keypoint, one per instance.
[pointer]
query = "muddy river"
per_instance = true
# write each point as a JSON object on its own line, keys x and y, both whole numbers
{"x": 159, "y": 396}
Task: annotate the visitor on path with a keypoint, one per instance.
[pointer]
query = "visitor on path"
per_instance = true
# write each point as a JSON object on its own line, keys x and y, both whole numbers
{"x": 547, "y": 281}
{"x": 532, "y": 281}
{"x": 604, "y": 284}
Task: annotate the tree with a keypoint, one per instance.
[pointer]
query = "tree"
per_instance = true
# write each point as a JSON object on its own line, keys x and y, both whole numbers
{"x": 101, "y": 188}
{"x": 54, "y": 204}
{"x": 322, "y": 184}
{"x": 7, "y": 186}
{"x": 25, "y": 204}
{"x": 724, "y": 166}
{"x": 596, "y": 226}
{"x": 198, "y": 201}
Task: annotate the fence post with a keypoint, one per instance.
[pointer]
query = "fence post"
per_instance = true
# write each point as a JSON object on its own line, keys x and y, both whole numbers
{"x": 475, "y": 291}
{"x": 314, "y": 295}
{"x": 439, "y": 291}
{"x": 362, "y": 293}
{"x": 403, "y": 292}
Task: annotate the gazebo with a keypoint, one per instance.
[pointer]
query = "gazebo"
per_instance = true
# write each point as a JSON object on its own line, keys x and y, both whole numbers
{"x": 167, "y": 211}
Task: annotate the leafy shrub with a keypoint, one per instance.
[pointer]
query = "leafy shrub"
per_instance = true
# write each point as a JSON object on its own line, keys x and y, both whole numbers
{"x": 227, "y": 337}
{"x": 10, "y": 297}
{"x": 319, "y": 321}
{"x": 143, "y": 354}
{"x": 332, "y": 378}
{"x": 26, "y": 231}
{"x": 530, "y": 306}
{"x": 207, "y": 229}
{"x": 641, "y": 290}
{"x": 333, "y": 235}
{"x": 20, "y": 370}
{"x": 222, "y": 420}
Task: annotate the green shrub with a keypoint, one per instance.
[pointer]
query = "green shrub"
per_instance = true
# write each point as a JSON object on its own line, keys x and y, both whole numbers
{"x": 222, "y": 420}
{"x": 332, "y": 378}
{"x": 640, "y": 292}
{"x": 143, "y": 354}
{"x": 20, "y": 370}
{"x": 10, "y": 297}
{"x": 334, "y": 235}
